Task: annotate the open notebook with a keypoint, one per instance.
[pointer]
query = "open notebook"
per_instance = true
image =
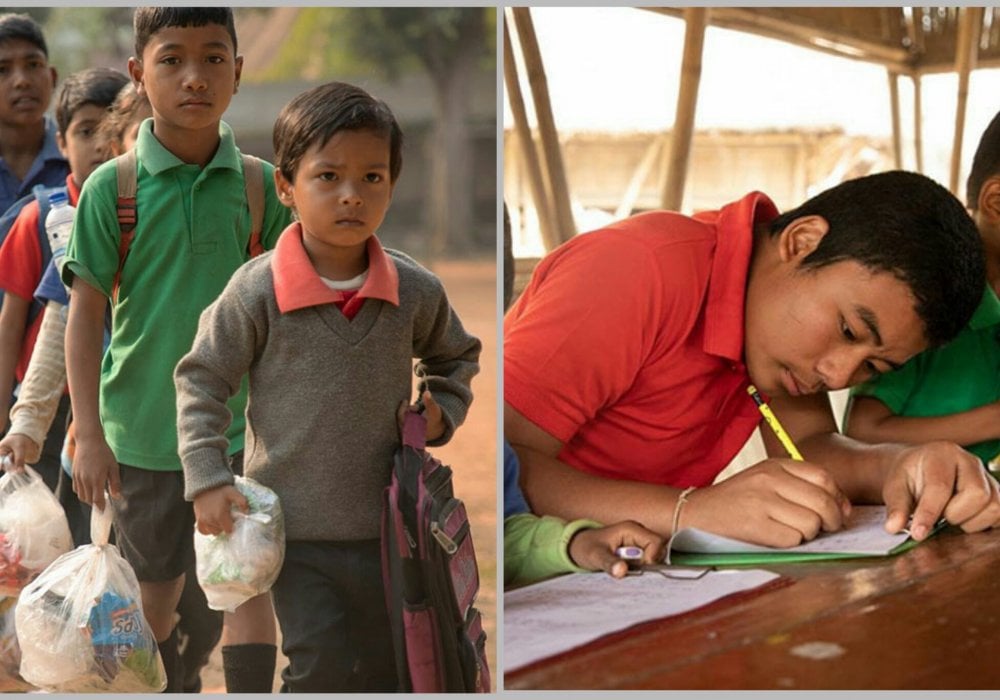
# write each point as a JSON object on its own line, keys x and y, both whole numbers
{"x": 864, "y": 536}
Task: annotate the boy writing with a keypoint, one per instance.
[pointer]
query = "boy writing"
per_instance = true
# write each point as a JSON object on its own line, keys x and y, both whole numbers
{"x": 662, "y": 321}
{"x": 326, "y": 327}
{"x": 28, "y": 152}
{"x": 81, "y": 104}
{"x": 192, "y": 232}
{"x": 952, "y": 392}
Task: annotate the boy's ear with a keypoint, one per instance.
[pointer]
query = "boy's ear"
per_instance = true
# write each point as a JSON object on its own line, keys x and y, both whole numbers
{"x": 286, "y": 194}
{"x": 239, "y": 71}
{"x": 988, "y": 203}
{"x": 135, "y": 72}
{"x": 801, "y": 237}
{"x": 61, "y": 142}
{"x": 55, "y": 76}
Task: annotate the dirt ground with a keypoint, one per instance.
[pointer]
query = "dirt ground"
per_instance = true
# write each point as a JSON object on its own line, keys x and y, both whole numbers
{"x": 471, "y": 288}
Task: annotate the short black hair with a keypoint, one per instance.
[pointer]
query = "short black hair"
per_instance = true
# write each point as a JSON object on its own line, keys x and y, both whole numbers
{"x": 21, "y": 26}
{"x": 314, "y": 116}
{"x": 912, "y": 227}
{"x": 148, "y": 20}
{"x": 93, "y": 86}
{"x": 985, "y": 164}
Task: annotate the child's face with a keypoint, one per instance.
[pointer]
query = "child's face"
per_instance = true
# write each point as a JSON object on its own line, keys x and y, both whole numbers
{"x": 26, "y": 82}
{"x": 341, "y": 190}
{"x": 189, "y": 74}
{"x": 131, "y": 134}
{"x": 822, "y": 329}
{"x": 81, "y": 145}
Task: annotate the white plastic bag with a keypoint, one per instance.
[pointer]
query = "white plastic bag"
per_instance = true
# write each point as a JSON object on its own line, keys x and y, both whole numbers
{"x": 33, "y": 529}
{"x": 80, "y": 623}
{"x": 234, "y": 568}
{"x": 10, "y": 652}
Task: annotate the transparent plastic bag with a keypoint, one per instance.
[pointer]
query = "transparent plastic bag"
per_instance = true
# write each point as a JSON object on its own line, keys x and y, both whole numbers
{"x": 33, "y": 529}
{"x": 80, "y": 623}
{"x": 10, "y": 652}
{"x": 234, "y": 568}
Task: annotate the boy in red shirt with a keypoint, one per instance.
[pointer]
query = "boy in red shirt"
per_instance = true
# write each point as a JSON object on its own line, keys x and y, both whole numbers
{"x": 628, "y": 356}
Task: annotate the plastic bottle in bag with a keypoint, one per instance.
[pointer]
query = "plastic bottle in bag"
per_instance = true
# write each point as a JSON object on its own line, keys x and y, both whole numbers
{"x": 59, "y": 224}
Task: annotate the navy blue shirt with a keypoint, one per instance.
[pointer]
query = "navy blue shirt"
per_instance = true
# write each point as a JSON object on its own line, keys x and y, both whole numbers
{"x": 513, "y": 499}
{"x": 49, "y": 168}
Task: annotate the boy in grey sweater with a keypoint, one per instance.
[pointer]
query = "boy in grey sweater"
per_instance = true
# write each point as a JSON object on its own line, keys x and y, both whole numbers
{"x": 326, "y": 328}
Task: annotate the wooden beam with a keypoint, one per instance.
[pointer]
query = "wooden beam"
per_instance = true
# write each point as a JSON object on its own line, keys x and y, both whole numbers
{"x": 897, "y": 141}
{"x": 536, "y": 181}
{"x": 823, "y": 39}
{"x": 566, "y": 227}
{"x": 696, "y": 19}
{"x": 969, "y": 26}
{"x": 627, "y": 203}
{"x": 918, "y": 125}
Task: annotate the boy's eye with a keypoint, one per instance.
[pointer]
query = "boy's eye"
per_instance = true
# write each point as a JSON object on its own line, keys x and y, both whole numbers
{"x": 216, "y": 59}
{"x": 847, "y": 332}
{"x": 373, "y": 177}
{"x": 170, "y": 60}
{"x": 328, "y": 176}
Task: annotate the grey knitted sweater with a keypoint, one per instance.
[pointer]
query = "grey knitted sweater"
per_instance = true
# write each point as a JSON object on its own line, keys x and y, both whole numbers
{"x": 324, "y": 390}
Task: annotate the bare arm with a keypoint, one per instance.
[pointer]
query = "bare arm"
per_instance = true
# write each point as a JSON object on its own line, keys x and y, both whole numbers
{"x": 94, "y": 465}
{"x": 927, "y": 481}
{"x": 870, "y": 420}
{"x": 777, "y": 502}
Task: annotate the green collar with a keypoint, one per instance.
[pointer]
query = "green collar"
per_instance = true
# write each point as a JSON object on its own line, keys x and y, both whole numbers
{"x": 156, "y": 158}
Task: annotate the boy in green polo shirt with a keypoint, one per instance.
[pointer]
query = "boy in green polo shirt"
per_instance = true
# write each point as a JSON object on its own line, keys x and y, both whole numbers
{"x": 192, "y": 232}
{"x": 952, "y": 392}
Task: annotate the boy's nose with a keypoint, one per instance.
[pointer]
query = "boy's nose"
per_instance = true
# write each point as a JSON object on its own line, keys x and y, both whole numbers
{"x": 840, "y": 370}
{"x": 350, "y": 196}
{"x": 194, "y": 80}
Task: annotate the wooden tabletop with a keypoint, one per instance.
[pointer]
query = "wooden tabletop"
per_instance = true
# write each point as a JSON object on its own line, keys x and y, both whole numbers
{"x": 928, "y": 618}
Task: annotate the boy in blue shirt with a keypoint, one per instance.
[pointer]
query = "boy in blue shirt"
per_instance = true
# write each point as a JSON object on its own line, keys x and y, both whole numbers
{"x": 29, "y": 154}
{"x": 192, "y": 232}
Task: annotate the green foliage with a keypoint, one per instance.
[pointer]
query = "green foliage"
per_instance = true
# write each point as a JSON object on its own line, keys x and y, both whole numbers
{"x": 387, "y": 42}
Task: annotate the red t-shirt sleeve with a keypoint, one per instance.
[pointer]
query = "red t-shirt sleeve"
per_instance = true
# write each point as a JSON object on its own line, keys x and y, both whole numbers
{"x": 584, "y": 327}
{"x": 21, "y": 255}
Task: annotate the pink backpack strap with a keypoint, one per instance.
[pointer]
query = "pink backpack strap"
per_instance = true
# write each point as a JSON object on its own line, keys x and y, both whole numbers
{"x": 125, "y": 168}
{"x": 253, "y": 184}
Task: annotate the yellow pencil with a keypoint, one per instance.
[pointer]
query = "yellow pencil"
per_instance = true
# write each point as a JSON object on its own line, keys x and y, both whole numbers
{"x": 772, "y": 421}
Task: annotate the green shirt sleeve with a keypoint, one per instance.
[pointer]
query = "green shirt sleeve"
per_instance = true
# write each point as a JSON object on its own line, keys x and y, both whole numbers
{"x": 92, "y": 252}
{"x": 537, "y": 547}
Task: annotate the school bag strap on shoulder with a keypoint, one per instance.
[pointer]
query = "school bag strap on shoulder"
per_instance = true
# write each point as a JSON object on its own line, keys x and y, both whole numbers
{"x": 126, "y": 166}
{"x": 39, "y": 193}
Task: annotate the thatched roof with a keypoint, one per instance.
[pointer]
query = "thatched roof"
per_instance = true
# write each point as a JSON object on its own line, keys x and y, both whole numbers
{"x": 904, "y": 39}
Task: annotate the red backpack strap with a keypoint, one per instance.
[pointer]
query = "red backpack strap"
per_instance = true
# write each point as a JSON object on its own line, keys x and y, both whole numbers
{"x": 125, "y": 166}
{"x": 253, "y": 184}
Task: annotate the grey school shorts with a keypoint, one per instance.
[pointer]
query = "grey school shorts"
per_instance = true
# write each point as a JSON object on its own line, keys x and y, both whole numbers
{"x": 154, "y": 525}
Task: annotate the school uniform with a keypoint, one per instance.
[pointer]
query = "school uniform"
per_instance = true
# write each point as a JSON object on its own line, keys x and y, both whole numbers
{"x": 49, "y": 168}
{"x": 327, "y": 371}
{"x": 627, "y": 345}
{"x": 193, "y": 225}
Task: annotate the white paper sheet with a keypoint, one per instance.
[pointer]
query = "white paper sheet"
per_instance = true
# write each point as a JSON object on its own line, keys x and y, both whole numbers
{"x": 864, "y": 534}
{"x": 568, "y": 611}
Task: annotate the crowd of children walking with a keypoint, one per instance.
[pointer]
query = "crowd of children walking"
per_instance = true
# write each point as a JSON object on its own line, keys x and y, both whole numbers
{"x": 219, "y": 328}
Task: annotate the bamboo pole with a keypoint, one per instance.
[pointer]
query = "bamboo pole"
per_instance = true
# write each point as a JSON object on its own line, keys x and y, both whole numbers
{"x": 897, "y": 141}
{"x": 969, "y": 25}
{"x": 565, "y": 226}
{"x": 536, "y": 182}
{"x": 918, "y": 126}
{"x": 627, "y": 203}
{"x": 696, "y": 18}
